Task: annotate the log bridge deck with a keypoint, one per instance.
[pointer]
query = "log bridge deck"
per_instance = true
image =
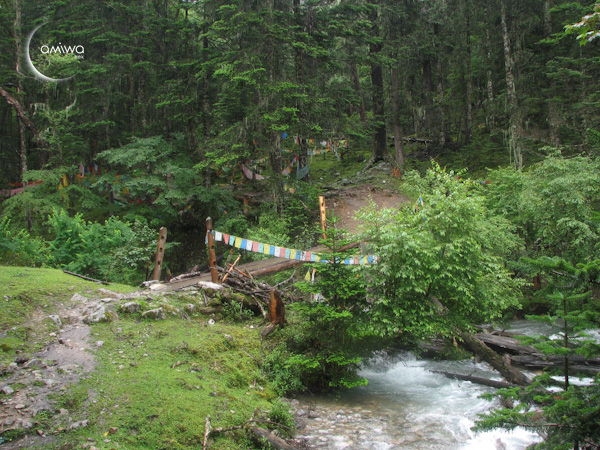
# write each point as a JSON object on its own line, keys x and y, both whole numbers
{"x": 255, "y": 269}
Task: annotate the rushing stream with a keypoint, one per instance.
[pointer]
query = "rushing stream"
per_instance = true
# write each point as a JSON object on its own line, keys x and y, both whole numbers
{"x": 406, "y": 406}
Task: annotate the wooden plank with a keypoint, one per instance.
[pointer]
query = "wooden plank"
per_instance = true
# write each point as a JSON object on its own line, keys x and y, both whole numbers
{"x": 212, "y": 258}
{"x": 230, "y": 269}
{"x": 160, "y": 253}
{"x": 323, "y": 211}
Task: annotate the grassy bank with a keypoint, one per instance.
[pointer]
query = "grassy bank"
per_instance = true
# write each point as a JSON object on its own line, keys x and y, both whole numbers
{"x": 155, "y": 382}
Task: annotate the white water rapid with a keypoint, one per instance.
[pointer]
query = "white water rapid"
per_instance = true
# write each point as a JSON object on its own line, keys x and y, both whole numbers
{"x": 406, "y": 406}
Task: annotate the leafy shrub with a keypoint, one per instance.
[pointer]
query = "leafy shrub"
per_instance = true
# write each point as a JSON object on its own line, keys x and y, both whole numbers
{"x": 280, "y": 414}
{"x": 20, "y": 248}
{"x": 235, "y": 311}
{"x": 115, "y": 251}
{"x": 552, "y": 204}
{"x": 325, "y": 346}
{"x": 442, "y": 262}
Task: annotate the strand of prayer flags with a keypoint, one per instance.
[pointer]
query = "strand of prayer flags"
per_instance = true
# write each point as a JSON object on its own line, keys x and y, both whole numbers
{"x": 283, "y": 252}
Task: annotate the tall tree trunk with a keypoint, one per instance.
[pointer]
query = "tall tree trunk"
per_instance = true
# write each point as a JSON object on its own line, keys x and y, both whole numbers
{"x": 398, "y": 143}
{"x": 362, "y": 112}
{"x": 300, "y": 61}
{"x": 18, "y": 67}
{"x": 273, "y": 137}
{"x": 375, "y": 47}
{"x": 490, "y": 116}
{"x": 469, "y": 99}
{"x": 516, "y": 127}
{"x": 439, "y": 69}
{"x": 554, "y": 119}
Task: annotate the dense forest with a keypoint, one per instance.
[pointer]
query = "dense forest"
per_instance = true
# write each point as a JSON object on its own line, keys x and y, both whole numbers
{"x": 171, "y": 94}
{"x": 121, "y": 117}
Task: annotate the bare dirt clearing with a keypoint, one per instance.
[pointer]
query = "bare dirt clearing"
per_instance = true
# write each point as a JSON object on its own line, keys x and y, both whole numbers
{"x": 347, "y": 203}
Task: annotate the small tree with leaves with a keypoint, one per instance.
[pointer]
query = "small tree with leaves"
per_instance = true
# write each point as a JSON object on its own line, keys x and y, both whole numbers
{"x": 324, "y": 348}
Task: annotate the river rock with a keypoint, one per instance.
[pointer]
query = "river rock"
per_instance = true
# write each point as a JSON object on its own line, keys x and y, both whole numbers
{"x": 33, "y": 364}
{"x": 79, "y": 424}
{"x": 100, "y": 314}
{"x": 54, "y": 318}
{"x": 209, "y": 288}
{"x": 130, "y": 307}
{"x": 110, "y": 293}
{"x": 156, "y": 314}
{"x": 7, "y": 390}
{"x": 78, "y": 298}
{"x": 190, "y": 308}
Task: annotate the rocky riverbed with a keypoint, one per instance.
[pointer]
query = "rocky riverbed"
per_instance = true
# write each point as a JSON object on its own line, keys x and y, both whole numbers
{"x": 405, "y": 406}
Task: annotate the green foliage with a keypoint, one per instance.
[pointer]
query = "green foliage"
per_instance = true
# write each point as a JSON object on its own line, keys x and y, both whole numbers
{"x": 441, "y": 263}
{"x": 280, "y": 414}
{"x": 328, "y": 339}
{"x": 552, "y": 205}
{"x": 114, "y": 251}
{"x": 155, "y": 179}
{"x": 234, "y": 311}
{"x": 569, "y": 417}
{"x": 19, "y": 248}
{"x": 588, "y": 28}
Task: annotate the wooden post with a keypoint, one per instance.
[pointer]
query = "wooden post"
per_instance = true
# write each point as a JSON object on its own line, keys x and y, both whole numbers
{"x": 212, "y": 258}
{"x": 160, "y": 253}
{"x": 323, "y": 215}
{"x": 276, "y": 309}
{"x": 246, "y": 206}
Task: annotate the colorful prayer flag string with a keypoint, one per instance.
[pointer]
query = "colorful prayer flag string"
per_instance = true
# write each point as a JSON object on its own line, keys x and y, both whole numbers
{"x": 288, "y": 253}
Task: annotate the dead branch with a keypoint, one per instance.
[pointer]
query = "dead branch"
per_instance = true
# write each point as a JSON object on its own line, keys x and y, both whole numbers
{"x": 231, "y": 267}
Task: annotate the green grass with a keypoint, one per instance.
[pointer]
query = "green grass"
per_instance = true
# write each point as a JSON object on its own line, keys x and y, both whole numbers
{"x": 324, "y": 168}
{"x": 25, "y": 292}
{"x": 156, "y": 381}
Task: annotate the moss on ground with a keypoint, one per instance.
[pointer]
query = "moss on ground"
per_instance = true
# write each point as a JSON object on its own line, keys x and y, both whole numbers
{"x": 155, "y": 381}
{"x": 29, "y": 293}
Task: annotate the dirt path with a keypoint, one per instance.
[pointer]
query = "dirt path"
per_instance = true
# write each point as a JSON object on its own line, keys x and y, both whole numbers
{"x": 348, "y": 202}
{"x": 66, "y": 358}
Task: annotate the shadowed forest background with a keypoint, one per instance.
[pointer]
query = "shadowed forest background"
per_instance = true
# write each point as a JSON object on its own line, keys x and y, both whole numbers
{"x": 169, "y": 95}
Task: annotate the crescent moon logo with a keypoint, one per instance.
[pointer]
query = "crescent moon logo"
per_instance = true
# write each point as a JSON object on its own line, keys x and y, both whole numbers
{"x": 39, "y": 75}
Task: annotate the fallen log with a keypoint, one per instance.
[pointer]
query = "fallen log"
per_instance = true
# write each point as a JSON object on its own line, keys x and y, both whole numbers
{"x": 86, "y": 278}
{"x": 476, "y": 380}
{"x": 276, "y": 442}
{"x": 576, "y": 363}
{"x": 286, "y": 264}
{"x": 507, "y": 344}
{"x": 481, "y": 350}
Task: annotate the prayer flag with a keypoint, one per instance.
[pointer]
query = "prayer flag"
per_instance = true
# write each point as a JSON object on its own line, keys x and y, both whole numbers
{"x": 238, "y": 242}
